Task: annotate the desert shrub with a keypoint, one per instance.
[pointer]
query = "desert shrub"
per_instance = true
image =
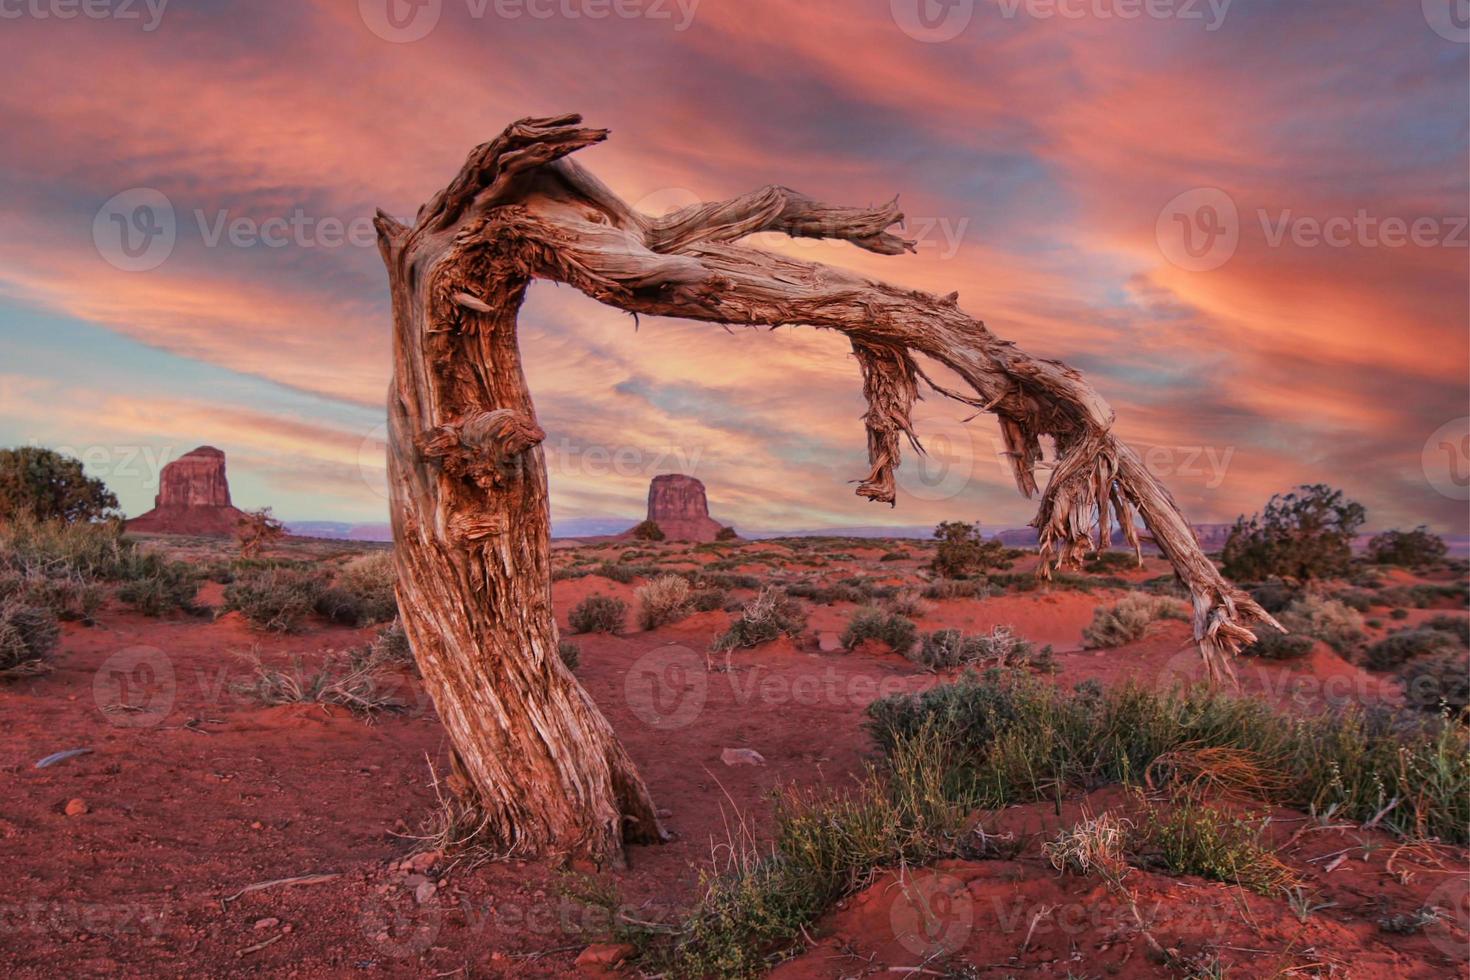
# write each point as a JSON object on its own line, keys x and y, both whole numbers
{"x": 868, "y": 623}
{"x": 1398, "y": 648}
{"x": 1000, "y": 647}
{"x": 562, "y": 574}
{"x": 1325, "y": 619}
{"x": 1358, "y": 600}
{"x": 391, "y": 645}
{"x": 43, "y": 485}
{"x": 1457, "y": 626}
{"x": 598, "y": 614}
{"x": 1128, "y": 619}
{"x": 663, "y": 600}
{"x": 648, "y": 531}
{"x": 1192, "y": 837}
{"x": 949, "y": 588}
{"x": 625, "y": 574}
{"x": 1425, "y": 595}
{"x": 1305, "y": 534}
{"x": 1437, "y": 683}
{"x": 1398, "y": 614}
{"x": 894, "y": 556}
{"x": 355, "y": 683}
{"x": 275, "y": 599}
{"x": 908, "y": 602}
{"x": 725, "y": 534}
{"x": 963, "y": 551}
{"x": 1272, "y": 644}
{"x": 1408, "y": 549}
{"x": 570, "y": 654}
{"x": 772, "y": 613}
{"x": 1015, "y": 739}
{"x": 28, "y": 634}
{"x": 1274, "y": 596}
{"x": 708, "y": 600}
{"x": 255, "y": 530}
{"x": 169, "y": 587}
{"x": 363, "y": 592}
{"x": 1109, "y": 561}
{"x": 66, "y": 594}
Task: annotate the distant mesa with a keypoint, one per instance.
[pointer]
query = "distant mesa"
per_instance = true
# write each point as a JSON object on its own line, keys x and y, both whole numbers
{"x": 193, "y": 498}
{"x": 678, "y": 505}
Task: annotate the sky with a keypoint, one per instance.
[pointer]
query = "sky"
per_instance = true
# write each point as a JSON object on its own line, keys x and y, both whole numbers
{"x": 1244, "y": 222}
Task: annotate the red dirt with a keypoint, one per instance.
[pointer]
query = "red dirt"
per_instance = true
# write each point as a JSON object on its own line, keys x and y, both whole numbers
{"x": 206, "y": 793}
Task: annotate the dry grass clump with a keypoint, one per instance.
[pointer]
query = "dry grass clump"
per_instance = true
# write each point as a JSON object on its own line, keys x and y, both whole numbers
{"x": 999, "y": 648}
{"x": 598, "y": 614}
{"x": 909, "y": 604}
{"x": 28, "y": 635}
{"x": 1192, "y": 837}
{"x": 1129, "y": 618}
{"x": 664, "y": 600}
{"x": 1095, "y": 845}
{"x": 771, "y": 614}
{"x": 354, "y": 681}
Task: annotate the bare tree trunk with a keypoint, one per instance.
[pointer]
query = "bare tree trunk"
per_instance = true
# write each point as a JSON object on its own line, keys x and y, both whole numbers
{"x": 470, "y": 512}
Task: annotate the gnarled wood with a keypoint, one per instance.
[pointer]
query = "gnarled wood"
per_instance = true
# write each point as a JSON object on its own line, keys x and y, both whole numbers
{"x": 469, "y": 483}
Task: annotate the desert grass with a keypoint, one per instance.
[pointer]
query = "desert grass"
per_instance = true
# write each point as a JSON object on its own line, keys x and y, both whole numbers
{"x": 771, "y": 614}
{"x": 1129, "y": 618}
{"x": 598, "y": 614}
{"x": 663, "y": 600}
{"x": 354, "y": 681}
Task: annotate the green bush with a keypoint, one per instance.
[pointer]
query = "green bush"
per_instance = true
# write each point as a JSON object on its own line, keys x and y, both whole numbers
{"x": 1195, "y": 838}
{"x": 1408, "y": 549}
{"x": 963, "y": 551}
{"x": 570, "y": 654}
{"x": 1398, "y": 648}
{"x": 1456, "y": 626}
{"x": 897, "y": 632}
{"x": 168, "y": 588}
{"x": 1016, "y": 739}
{"x": 648, "y": 531}
{"x": 28, "y": 634}
{"x": 43, "y": 485}
{"x": 598, "y": 614}
{"x": 275, "y": 599}
{"x": 771, "y": 614}
{"x": 1305, "y": 534}
{"x": 1272, "y": 644}
{"x": 1128, "y": 619}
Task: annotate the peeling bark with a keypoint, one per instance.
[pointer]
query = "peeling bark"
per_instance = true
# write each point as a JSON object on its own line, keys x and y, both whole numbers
{"x": 469, "y": 483}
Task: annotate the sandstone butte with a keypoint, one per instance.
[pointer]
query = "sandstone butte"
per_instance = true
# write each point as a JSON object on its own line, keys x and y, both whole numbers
{"x": 193, "y": 497}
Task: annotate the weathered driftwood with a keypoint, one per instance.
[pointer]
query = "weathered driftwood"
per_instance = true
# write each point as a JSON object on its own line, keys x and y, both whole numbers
{"x": 468, "y": 479}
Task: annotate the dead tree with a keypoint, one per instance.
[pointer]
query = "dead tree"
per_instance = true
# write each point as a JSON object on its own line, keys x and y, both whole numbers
{"x": 468, "y": 478}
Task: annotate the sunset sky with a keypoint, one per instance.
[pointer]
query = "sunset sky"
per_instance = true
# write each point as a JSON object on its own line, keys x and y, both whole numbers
{"x": 1244, "y": 222}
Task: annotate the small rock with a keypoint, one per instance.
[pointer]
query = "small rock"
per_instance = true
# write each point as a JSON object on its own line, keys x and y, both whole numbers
{"x": 603, "y": 955}
{"x": 742, "y": 757}
{"x": 663, "y": 814}
{"x": 420, "y": 862}
{"x": 287, "y": 927}
{"x": 75, "y": 808}
{"x": 257, "y": 825}
{"x": 270, "y": 922}
{"x": 424, "y": 892}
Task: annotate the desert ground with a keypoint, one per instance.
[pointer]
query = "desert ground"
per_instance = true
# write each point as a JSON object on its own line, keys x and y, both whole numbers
{"x": 253, "y": 801}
